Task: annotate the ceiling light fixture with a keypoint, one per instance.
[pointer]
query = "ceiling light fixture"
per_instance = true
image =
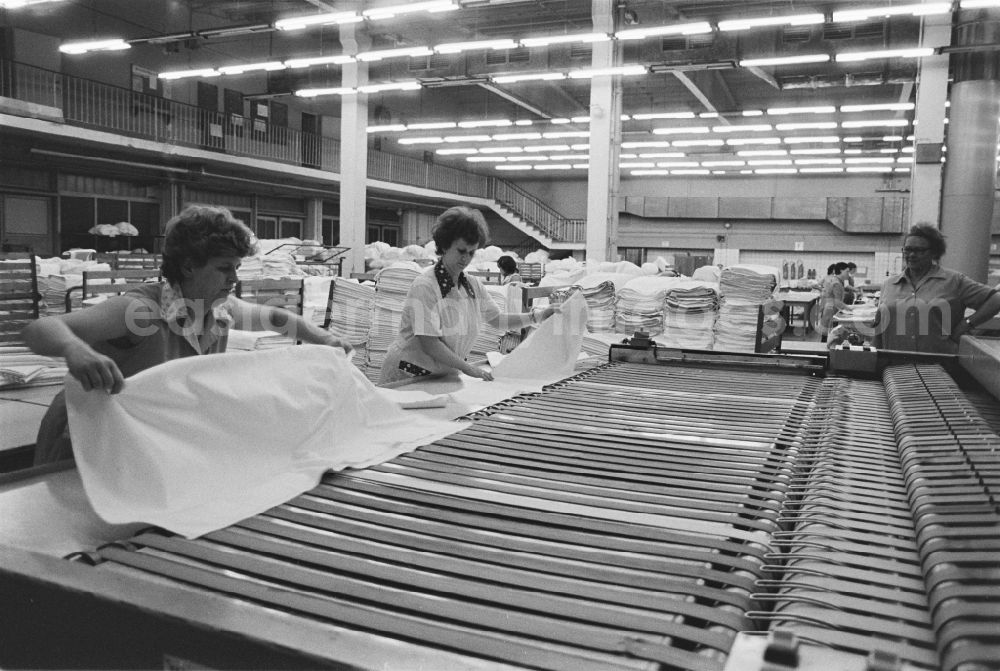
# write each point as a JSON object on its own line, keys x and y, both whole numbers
{"x": 431, "y": 125}
{"x": 663, "y": 115}
{"x": 180, "y": 74}
{"x": 330, "y": 91}
{"x": 329, "y": 19}
{"x": 459, "y": 47}
{"x": 622, "y": 70}
{"x": 18, "y": 4}
{"x": 916, "y": 52}
{"x": 696, "y": 28}
{"x": 699, "y": 143}
{"x": 825, "y": 139}
{"x": 784, "y": 60}
{"x": 793, "y": 20}
{"x": 409, "y": 8}
{"x": 680, "y": 131}
{"x": 749, "y": 128}
{"x": 874, "y": 123}
{"x": 563, "y": 39}
{"x": 270, "y": 66}
{"x": 885, "y": 107}
{"x": 412, "y": 52}
{"x": 925, "y": 9}
{"x": 467, "y": 138}
{"x": 420, "y": 140}
{"x": 74, "y": 48}
{"x": 537, "y": 76}
{"x": 978, "y": 4}
{"x": 486, "y": 123}
{"x": 740, "y": 141}
{"x": 389, "y": 86}
{"x": 818, "y": 125}
{"x": 780, "y": 111}
{"x": 339, "y": 59}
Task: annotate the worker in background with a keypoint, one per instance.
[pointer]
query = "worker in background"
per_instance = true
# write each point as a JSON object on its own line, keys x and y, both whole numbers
{"x": 831, "y": 300}
{"x": 445, "y": 306}
{"x": 923, "y": 308}
{"x": 508, "y": 270}
{"x": 188, "y": 314}
{"x": 850, "y": 291}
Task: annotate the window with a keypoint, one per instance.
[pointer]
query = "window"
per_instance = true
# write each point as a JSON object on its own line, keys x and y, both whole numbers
{"x": 266, "y": 228}
{"x": 290, "y": 228}
{"x": 388, "y": 234}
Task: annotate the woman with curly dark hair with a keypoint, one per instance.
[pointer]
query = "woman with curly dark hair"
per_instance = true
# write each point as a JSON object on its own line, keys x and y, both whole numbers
{"x": 188, "y": 314}
{"x": 922, "y": 309}
{"x": 445, "y": 306}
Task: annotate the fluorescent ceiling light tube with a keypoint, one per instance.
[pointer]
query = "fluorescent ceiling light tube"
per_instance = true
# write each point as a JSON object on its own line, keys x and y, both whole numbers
{"x": 722, "y": 164}
{"x": 431, "y": 125}
{"x": 823, "y": 109}
{"x": 636, "y": 145}
{"x": 389, "y": 86}
{"x": 874, "y": 123}
{"x": 772, "y": 161}
{"x": 17, "y": 4}
{"x": 923, "y": 9}
{"x": 909, "y": 159}
{"x": 740, "y": 141}
{"x": 871, "y": 168}
{"x": 818, "y": 161}
{"x": 749, "y": 128}
{"x": 332, "y": 18}
{"x": 580, "y": 119}
{"x": 335, "y": 91}
{"x": 411, "y": 52}
{"x": 624, "y": 71}
{"x": 538, "y": 76}
{"x": 699, "y": 143}
{"x": 517, "y": 136}
{"x": 677, "y": 164}
{"x": 570, "y": 157}
{"x": 696, "y": 28}
{"x": 559, "y": 120}
{"x": 663, "y": 115}
{"x": 663, "y": 154}
{"x": 459, "y": 47}
{"x": 456, "y": 150}
{"x": 566, "y": 134}
{"x": 867, "y": 159}
{"x": 890, "y": 150}
{"x": 270, "y": 66}
{"x": 637, "y": 164}
{"x": 387, "y": 128}
{"x": 527, "y": 158}
{"x": 775, "y": 171}
{"x": 708, "y": 115}
{"x": 824, "y": 139}
{"x": 817, "y": 170}
{"x": 645, "y": 173}
{"x": 340, "y": 59}
{"x": 554, "y": 166}
{"x": 681, "y": 131}
{"x": 523, "y": 122}
{"x": 792, "y": 20}
{"x": 180, "y": 74}
{"x": 420, "y": 140}
{"x": 467, "y": 138}
{"x": 752, "y": 112}
{"x": 892, "y": 138}
{"x": 854, "y": 138}
{"x": 885, "y": 107}
{"x": 817, "y": 125}
{"x": 916, "y": 52}
{"x": 495, "y": 123}
{"x": 547, "y": 147}
{"x": 784, "y": 60}
{"x": 581, "y": 166}
{"x": 116, "y": 44}
{"x": 500, "y": 150}
{"x": 689, "y": 172}
{"x": 812, "y": 152}
{"x": 486, "y": 159}
{"x": 762, "y": 152}
{"x": 563, "y": 39}
{"x": 513, "y": 167}
{"x": 409, "y": 8}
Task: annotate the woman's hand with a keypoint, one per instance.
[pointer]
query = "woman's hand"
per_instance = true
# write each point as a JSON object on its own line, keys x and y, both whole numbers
{"x": 334, "y": 341}
{"x": 94, "y": 370}
{"x": 476, "y": 372}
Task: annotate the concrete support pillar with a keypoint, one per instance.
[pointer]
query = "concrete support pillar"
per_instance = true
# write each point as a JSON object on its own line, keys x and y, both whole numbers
{"x": 970, "y": 171}
{"x": 932, "y": 93}
{"x": 353, "y": 152}
{"x": 312, "y": 228}
{"x": 605, "y": 142}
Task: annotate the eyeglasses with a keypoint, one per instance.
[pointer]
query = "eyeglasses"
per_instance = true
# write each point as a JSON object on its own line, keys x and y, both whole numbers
{"x": 916, "y": 250}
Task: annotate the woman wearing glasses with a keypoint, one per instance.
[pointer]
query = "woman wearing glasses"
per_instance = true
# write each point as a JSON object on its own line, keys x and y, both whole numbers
{"x": 923, "y": 308}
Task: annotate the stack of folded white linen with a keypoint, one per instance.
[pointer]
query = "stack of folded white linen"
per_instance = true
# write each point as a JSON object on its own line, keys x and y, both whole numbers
{"x": 488, "y": 339}
{"x": 689, "y": 321}
{"x": 600, "y": 290}
{"x": 391, "y": 286}
{"x": 641, "y": 303}
{"x": 248, "y": 341}
{"x": 20, "y": 367}
{"x": 743, "y": 289}
{"x": 351, "y": 310}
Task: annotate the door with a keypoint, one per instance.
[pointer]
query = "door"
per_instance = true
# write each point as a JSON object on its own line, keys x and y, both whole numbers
{"x": 26, "y": 225}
